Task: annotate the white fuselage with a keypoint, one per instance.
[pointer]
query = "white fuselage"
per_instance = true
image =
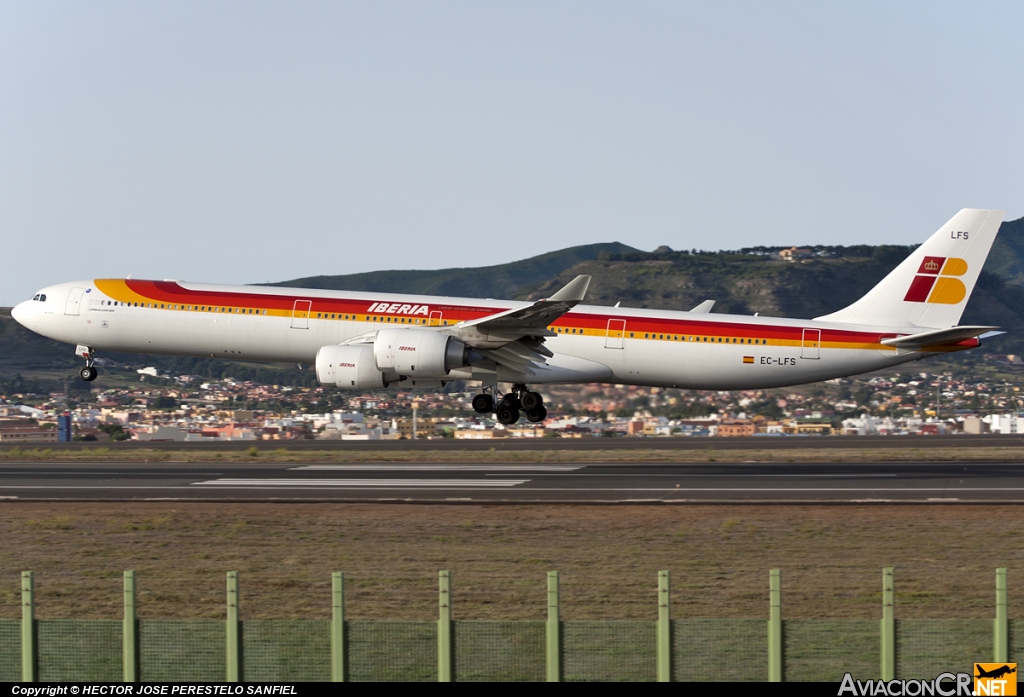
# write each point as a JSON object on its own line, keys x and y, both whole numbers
{"x": 590, "y": 343}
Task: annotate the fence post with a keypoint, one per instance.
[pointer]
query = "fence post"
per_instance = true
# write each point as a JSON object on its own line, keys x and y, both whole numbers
{"x": 444, "y": 627}
{"x": 775, "y": 658}
{"x": 130, "y": 655}
{"x": 664, "y": 629}
{"x": 554, "y": 631}
{"x": 233, "y": 632}
{"x": 29, "y": 662}
{"x": 339, "y": 668}
{"x": 1001, "y": 640}
{"x": 888, "y": 625}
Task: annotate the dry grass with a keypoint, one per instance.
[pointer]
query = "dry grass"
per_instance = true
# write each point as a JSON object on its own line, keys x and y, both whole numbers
{"x": 608, "y": 555}
{"x": 257, "y": 454}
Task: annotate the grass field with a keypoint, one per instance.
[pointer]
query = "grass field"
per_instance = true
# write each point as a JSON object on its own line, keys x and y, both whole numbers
{"x": 719, "y": 557}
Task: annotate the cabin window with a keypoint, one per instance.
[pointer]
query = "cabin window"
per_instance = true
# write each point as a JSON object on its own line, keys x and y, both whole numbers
{"x": 631, "y": 335}
{"x": 646, "y": 336}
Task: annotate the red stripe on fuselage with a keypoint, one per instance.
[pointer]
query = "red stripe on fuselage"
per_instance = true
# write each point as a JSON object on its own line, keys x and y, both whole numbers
{"x": 172, "y": 292}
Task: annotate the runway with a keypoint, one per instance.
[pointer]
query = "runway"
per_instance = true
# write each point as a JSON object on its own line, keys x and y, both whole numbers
{"x": 572, "y": 444}
{"x": 919, "y": 482}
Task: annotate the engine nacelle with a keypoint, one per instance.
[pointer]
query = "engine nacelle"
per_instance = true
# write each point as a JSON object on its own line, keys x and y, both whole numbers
{"x": 419, "y": 352}
{"x": 350, "y": 368}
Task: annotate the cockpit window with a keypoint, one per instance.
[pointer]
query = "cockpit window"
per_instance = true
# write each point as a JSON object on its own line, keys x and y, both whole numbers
{"x": 40, "y": 297}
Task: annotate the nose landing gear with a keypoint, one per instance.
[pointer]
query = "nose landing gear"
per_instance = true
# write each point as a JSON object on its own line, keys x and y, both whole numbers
{"x": 89, "y": 372}
{"x": 508, "y": 408}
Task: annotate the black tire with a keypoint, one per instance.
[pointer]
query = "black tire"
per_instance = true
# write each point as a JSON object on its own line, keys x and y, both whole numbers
{"x": 88, "y": 373}
{"x": 531, "y": 401}
{"x": 537, "y": 415}
{"x": 483, "y": 404}
{"x": 507, "y": 414}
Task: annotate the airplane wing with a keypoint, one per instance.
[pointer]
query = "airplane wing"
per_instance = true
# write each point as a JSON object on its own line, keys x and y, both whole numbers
{"x": 937, "y": 337}
{"x": 515, "y": 338}
{"x": 498, "y": 329}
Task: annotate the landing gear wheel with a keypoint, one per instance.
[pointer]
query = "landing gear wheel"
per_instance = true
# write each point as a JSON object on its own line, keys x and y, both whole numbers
{"x": 483, "y": 404}
{"x": 531, "y": 401}
{"x": 537, "y": 415}
{"x": 507, "y": 413}
{"x": 88, "y": 373}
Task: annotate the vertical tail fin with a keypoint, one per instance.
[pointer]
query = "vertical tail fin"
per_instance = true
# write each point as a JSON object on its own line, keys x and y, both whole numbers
{"x": 932, "y": 286}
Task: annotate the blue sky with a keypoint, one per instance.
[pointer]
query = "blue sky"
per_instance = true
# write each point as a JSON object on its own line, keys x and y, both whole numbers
{"x": 248, "y": 141}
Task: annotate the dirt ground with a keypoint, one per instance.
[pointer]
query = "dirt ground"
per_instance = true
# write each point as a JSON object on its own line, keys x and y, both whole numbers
{"x": 719, "y": 556}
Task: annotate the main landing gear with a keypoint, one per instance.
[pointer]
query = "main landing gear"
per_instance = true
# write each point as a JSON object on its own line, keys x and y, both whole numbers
{"x": 508, "y": 408}
{"x": 89, "y": 372}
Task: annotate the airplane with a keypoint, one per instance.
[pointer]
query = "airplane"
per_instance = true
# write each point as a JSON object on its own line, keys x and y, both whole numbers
{"x": 995, "y": 672}
{"x": 367, "y": 341}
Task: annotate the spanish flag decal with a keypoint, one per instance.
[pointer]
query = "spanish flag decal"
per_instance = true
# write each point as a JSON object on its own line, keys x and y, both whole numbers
{"x": 748, "y": 359}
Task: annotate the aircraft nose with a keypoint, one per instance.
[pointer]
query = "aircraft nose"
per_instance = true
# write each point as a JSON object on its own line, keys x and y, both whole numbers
{"x": 19, "y": 312}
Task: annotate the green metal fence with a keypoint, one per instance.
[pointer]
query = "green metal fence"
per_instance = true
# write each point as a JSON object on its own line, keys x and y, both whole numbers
{"x": 661, "y": 649}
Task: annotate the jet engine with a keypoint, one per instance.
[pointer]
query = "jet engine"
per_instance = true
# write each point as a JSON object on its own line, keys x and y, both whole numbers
{"x": 421, "y": 353}
{"x": 351, "y": 368}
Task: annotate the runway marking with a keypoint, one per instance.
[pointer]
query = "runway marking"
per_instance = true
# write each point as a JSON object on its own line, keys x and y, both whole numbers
{"x": 443, "y": 468}
{"x": 372, "y": 483}
{"x": 639, "y": 475}
{"x": 83, "y": 472}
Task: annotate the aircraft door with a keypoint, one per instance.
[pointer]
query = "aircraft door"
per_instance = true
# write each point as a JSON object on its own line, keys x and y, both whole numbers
{"x": 74, "y": 300}
{"x": 810, "y": 347}
{"x": 300, "y": 314}
{"x": 435, "y": 319}
{"x": 614, "y": 336}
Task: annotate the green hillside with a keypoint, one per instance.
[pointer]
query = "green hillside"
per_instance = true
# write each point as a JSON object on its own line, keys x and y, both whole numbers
{"x": 1006, "y": 259}
{"x": 501, "y": 281}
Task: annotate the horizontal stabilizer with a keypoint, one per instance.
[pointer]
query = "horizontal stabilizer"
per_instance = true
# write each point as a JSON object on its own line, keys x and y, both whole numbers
{"x": 939, "y": 337}
{"x": 704, "y": 307}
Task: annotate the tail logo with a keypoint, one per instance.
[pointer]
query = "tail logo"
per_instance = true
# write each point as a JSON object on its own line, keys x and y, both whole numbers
{"x": 935, "y": 282}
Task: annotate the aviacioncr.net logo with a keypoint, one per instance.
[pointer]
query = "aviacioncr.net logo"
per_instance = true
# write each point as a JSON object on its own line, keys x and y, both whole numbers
{"x": 944, "y": 685}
